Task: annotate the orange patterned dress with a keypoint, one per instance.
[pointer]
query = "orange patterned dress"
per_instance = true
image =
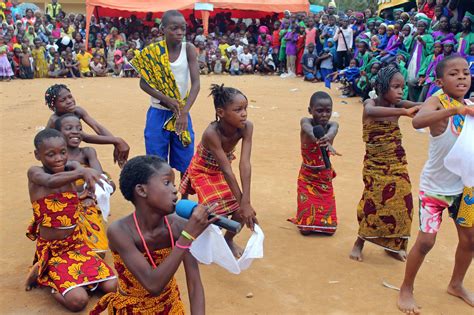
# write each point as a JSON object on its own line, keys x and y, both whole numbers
{"x": 64, "y": 264}
{"x": 316, "y": 211}
{"x": 132, "y": 298}
{"x": 205, "y": 178}
{"x": 385, "y": 210}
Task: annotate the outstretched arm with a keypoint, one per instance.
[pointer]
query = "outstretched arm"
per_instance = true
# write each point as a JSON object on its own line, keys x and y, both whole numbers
{"x": 432, "y": 112}
{"x": 247, "y": 211}
{"x": 378, "y": 111}
{"x": 121, "y": 149}
{"x": 38, "y": 176}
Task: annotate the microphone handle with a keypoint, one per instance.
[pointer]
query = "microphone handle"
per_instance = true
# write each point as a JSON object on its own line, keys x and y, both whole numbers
{"x": 225, "y": 223}
{"x": 327, "y": 162}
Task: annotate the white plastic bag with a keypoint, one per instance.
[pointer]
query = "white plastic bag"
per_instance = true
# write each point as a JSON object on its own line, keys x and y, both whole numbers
{"x": 460, "y": 160}
{"x": 102, "y": 196}
{"x": 211, "y": 247}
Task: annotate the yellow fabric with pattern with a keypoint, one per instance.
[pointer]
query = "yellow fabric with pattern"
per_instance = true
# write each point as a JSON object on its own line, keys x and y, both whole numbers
{"x": 154, "y": 67}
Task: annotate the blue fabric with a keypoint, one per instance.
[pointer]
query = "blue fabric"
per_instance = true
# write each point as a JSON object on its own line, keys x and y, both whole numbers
{"x": 164, "y": 143}
{"x": 309, "y": 76}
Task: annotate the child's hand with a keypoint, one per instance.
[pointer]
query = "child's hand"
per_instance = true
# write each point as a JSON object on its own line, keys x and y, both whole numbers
{"x": 181, "y": 123}
{"x": 91, "y": 177}
{"x": 173, "y": 105}
{"x": 421, "y": 80}
{"x": 411, "y": 112}
{"x": 199, "y": 220}
{"x": 248, "y": 215}
{"x": 324, "y": 141}
{"x": 465, "y": 110}
{"x": 121, "y": 152}
{"x": 333, "y": 151}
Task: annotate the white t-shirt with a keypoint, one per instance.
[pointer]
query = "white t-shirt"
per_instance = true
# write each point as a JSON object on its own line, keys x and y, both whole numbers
{"x": 240, "y": 49}
{"x": 245, "y": 59}
{"x": 348, "y": 35}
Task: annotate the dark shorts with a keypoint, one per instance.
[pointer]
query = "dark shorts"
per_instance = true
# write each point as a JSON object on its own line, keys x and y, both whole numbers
{"x": 164, "y": 143}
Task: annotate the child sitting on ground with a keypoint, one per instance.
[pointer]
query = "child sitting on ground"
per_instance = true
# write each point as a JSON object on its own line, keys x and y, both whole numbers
{"x": 91, "y": 220}
{"x": 60, "y": 100}
{"x": 62, "y": 261}
{"x": 97, "y": 67}
{"x": 210, "y": 172}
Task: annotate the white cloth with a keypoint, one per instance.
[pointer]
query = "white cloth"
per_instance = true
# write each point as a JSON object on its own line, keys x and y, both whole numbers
{"x": 102, "y": 196}
{"x": 246, "y": 59}
{"x": 348, "y": 35}
{"x": 211, "y": 247}
{"x": 460, "y": 160}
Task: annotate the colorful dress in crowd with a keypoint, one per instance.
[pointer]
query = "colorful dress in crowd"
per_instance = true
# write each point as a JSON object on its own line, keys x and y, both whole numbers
{"x": 5, "y": 66}
{"x": 41, "y": 65}
{"x": 316, "y": 204}
{"x": 385, "y": 210}
{"x": 205, "y": 178}
{"x": 66, "y": 263}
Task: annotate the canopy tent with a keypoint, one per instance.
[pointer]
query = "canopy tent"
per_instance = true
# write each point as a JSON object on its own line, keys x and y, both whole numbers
{"x": 387, "y": 4}
{"x": 239, "y": 8}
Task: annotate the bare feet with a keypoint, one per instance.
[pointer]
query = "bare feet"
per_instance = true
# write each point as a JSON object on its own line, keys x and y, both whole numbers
{"x": 32, "y": 276}
{"x": 462, "y": 293}
{"x": 401, "y": 255}
{"x": 406, "y": 302}
{"x": 237, "y": 251}
{"x": 356, "y": 253}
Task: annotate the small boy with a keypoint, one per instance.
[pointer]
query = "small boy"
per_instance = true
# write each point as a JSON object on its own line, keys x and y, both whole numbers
{"x": 316, "y": 210}
{"x": 26, "y": 70}
{"x": 245, "y": 60}
{"x": 439, "y": 188}
{"x": 84, "y": 58}
{"x": 98, "y": 69}
{"x": 309, "y": 64}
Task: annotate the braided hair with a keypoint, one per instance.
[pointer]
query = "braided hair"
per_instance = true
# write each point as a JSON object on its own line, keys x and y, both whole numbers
{"x": 384, "y": 76}
{"x": 52, "y": 94}
{"x": 223, "y": 96}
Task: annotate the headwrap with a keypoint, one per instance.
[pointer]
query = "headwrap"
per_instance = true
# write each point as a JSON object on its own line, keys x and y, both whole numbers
{"x": 397, "y": 10}
{"x": 448, "y": 41}
{"x": 332, "y": 4}
{"x": 263, "y": 29}
{"x": 384, "y": 25}
{"x": 405, "y": 14}
{"x": 359, "y": 14}
{"x": 391, "y": 27}
{"x": 469, "y": 16}
{"x": 404, "y": 54}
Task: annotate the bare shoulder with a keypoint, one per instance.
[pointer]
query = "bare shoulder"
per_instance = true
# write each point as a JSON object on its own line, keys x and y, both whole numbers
{"x": 118, "y": 230}
{"x": 34, "y": 170}
{"x": 369, "y": 102}
{"x": 190, "y": 50}
{"x": 80, "y": 112}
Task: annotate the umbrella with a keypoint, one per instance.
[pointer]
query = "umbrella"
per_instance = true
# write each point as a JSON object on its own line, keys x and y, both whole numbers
{"x": 25, "y": 6}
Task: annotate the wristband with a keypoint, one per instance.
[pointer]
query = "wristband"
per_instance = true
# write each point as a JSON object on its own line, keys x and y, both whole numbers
{"x": 187, "y": 236}
{"x": 178, "y": 245}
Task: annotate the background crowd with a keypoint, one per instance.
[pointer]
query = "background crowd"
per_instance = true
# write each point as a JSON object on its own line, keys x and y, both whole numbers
{"x": 331, "y": 45}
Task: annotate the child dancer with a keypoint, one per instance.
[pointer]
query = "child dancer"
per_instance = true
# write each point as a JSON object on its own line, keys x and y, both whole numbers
{"x": 59, "y": 99}
{"x": 149, "y": 245}
{"x": 91, "y": 215}
{"x": 439, "y": 188}
{"x": 385, "y": 211}
{"x": 316, "y": 202}
{"x": 62, "y": 261}
{"x": 210, "y": 173}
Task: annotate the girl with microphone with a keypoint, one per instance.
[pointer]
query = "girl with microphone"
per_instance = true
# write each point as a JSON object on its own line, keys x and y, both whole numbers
{"x": 149, "y": 245}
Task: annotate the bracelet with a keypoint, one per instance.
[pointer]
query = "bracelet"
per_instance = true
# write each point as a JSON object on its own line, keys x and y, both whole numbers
{"x": 178, "y": 245}
{"x": 187, "y": 236}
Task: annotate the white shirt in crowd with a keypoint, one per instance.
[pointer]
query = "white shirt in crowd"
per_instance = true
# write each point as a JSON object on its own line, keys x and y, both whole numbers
{"x": 240, "y": 49}
{"x": 245, "y": 59}
{"x": 348, "y": 35}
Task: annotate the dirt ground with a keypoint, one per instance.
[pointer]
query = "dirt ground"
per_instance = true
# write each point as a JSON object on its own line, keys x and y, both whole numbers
{"x": 298, "y": 275}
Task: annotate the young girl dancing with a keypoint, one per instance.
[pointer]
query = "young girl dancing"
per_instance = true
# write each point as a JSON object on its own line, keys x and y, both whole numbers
{"x": 210, "y": 173}
{"x": 385, "y": 211}
{"x": 149, "y": 244}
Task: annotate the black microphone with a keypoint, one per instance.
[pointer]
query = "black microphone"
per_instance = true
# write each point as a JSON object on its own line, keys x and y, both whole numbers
{"x": 318, "y": 132}
{"x": 185, "y": 208}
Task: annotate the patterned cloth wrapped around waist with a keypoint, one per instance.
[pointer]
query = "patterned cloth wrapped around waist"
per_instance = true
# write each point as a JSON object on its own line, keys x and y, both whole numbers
{"x": 133, "y": 298}
{"x": 383, "y": 146}
{"x": 313, "y": 166}
{"x": 154, "y": 67}
{"x": 65, "y": 264}
{"x": 205, "y": 178}
{"x": 58, "y": 210}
